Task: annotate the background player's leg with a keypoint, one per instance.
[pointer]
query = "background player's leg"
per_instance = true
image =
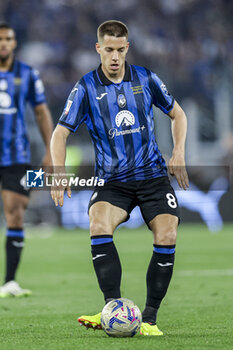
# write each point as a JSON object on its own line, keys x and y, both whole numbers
{"x": 104, "y": 218}
{"x": 14, "y": 209}
{"x": 160, "y": 269}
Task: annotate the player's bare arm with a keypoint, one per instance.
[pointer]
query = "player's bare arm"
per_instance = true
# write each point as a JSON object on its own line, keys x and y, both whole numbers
{"x": 45, "y": 123}
{"x": 58, "y": 153}
{"x": 177, "y": 162}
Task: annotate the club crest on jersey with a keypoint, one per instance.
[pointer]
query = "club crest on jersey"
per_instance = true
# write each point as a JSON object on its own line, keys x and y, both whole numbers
{"x": 3, "y": 84}
{"x": 121, "y": 100}
{"x": 124, "y": 118}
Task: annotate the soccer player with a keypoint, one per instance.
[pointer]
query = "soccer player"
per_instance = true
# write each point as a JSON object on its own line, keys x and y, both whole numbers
{"x": 115, "y": 102}
{"x": 19, "y": 84}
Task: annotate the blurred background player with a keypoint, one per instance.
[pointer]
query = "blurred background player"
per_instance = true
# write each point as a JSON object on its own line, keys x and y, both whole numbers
{"x": 115, "y": 101}
{"x": 19, "y": 84}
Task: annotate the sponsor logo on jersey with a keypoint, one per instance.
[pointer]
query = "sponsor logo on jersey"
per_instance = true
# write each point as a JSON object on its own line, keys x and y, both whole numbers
{"x": 124, "y": 119}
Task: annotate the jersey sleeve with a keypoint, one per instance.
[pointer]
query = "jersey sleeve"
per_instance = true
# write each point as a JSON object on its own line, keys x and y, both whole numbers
{"x": 76, "y": 108}
{"x": 36, "y": 94}
{"x": 160, "y": 96}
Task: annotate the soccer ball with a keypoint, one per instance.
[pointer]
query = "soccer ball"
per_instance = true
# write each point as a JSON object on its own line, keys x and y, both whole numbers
{"x": 121, "y": 318}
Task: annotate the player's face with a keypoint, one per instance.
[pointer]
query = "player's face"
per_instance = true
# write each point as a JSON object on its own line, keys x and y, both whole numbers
{"x": 7, "y": 43}
{"x": 112, "y": 52}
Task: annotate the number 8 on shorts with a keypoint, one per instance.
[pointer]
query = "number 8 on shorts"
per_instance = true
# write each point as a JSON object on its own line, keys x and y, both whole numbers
{"x": 171, "y": 200}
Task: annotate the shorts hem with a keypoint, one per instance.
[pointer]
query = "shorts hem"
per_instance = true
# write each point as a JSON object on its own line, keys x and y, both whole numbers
{"x": 159, "y": 213}
{"x": 109, "y": 201}
{"x": 23, "y": 193}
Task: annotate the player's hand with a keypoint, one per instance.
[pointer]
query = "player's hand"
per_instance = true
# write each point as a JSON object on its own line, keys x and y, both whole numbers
{"x": 177, "y": 168}
{"x": 60, "y": 184}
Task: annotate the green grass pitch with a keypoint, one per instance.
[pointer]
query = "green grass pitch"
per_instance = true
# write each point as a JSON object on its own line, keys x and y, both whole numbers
{"x": 197, "y": 312}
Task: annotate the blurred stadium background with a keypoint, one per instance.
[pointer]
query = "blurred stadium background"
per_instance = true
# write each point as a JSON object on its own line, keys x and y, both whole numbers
{"x": 188, "y": 43}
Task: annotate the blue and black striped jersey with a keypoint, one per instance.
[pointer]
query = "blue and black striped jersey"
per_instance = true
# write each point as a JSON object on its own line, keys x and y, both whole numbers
{"x": 17, "y": 86}
{"x": 119, "y": 118}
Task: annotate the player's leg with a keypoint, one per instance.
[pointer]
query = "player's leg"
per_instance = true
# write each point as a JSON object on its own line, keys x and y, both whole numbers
{"x": 14, "y": 205}
{"x": 159, "y": 207}
{"x": 159, "y": 273}
{"x": 104, "y": 218}
{"x": 15, "y": 200}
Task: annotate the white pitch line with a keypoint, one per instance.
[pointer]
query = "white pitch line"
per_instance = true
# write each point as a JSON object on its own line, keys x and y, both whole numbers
{"x": 188, "y": 273}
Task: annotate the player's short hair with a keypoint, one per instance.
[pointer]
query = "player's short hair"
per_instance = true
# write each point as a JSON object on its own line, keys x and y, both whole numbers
{"x": 5, "y": 25}
{"x": 112, "y": 28}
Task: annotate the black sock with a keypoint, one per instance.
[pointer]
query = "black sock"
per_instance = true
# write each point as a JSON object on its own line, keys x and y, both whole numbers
{"x": 107, "y": 266}
{"x": 14, "y": 245}
{"x": 158, "y": 277}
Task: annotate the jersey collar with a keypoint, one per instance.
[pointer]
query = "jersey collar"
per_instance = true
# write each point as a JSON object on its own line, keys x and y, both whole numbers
{"x": 11, "y": 68}
{"x": 105, "y": 81}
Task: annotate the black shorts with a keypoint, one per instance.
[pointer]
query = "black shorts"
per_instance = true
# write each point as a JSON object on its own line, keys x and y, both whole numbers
{"x": 154, "y": 197}
{"x": 13, "y": 178}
